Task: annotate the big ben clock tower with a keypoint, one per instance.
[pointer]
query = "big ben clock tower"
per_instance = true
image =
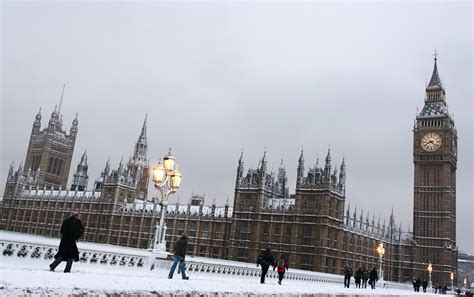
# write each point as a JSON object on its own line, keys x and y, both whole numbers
{"x": 434, "y": 213}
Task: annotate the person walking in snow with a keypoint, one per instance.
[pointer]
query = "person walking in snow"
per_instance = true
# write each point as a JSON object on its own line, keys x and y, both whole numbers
{"x": 180, "y": 249}
{"x": 71, "y": 230}
{"x": 373, "y": 278}
{"x": 347, "y": 276}
{"x": 365, "y": 278}
{"x": 358, "y": 277}
{"x": 265, "y": 260}
{"x": 281, "y": 266}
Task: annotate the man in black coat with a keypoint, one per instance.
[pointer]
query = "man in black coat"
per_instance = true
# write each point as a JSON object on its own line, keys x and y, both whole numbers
{"x": 373, "y": 278}
{"x": 180, "y": 248}
{"x": 265, "y": 260}
{"x": 347, "y": 276}
{"x": 71, "y": 230}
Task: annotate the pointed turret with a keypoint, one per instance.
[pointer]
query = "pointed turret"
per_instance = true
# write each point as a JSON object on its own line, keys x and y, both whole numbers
{"x": 300, "y": 169}
{"x": 141, "y": 146}
{"x": 327, "y": 167}
{"x": 263, "y": 166}
{"x": 240, "y": 169}
{"x": 282, "y": 179}
{"x": 342, "y": 176}
{"x": 81, "y": 178}
{"x": 73, "y": 130}
{"x": 435, "y": 91}
{"x": 37, "y": 123}
{"x": 10, "y": 171}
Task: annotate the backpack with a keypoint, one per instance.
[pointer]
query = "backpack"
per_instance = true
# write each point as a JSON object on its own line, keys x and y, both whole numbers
{"x": 280, "y": 263}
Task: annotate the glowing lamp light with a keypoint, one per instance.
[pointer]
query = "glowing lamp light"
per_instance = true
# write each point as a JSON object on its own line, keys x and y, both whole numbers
{"x": 168, "y": 161}
{"x": 430, "y": 268}
{"x": 380, "y": 249}
{"x": 175, "y": 178}
{"x": 158, "y": 173}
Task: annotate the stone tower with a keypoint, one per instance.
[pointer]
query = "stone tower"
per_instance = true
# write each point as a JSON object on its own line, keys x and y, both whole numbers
{"x": 50, "y": 151}
{"x": 435, "y": 158}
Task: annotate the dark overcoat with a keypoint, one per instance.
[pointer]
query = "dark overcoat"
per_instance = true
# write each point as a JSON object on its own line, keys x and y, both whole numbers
{"x": 266, "y": 258}
{"x": 71, "y": 231}
{"x": 181, "y": 247}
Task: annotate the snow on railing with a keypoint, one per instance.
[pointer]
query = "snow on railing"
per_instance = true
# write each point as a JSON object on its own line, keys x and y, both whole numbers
{"x": 27, "y": 246}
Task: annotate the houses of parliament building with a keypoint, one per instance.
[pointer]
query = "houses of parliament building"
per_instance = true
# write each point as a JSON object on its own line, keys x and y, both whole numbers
{"x": 313, "y": 226}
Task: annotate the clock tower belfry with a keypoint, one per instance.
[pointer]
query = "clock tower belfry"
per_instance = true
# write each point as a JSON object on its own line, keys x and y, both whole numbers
{"x": 434, "y": 212}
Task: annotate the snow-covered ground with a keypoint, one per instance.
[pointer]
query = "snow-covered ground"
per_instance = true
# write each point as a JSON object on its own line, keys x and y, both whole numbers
{"x": 20, "y": 276}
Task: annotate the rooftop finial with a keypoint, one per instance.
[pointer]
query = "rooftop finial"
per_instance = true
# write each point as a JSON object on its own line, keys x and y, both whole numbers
{"x": 435, "y": 55}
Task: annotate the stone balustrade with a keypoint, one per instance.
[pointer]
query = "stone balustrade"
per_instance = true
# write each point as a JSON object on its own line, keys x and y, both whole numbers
{"x": 29, "y": 247}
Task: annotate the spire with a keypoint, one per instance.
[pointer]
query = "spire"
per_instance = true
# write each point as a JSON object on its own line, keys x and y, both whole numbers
{"x": 264, "y": 161}
{"x": 84, "y": 158}
{"x": 435, "y": 81}
{"x": 61, "y": 100}
{"x": 144, "y": 126}
{"x": 300, "y": 169}
{"x": 327, "y": 167}
{"x": 328, "y": 157}
{"x": 73, "y": 130}
{"x": 140, "y": 153}
{"x": 38, "y": 115}
{"x": 240, "y": 168}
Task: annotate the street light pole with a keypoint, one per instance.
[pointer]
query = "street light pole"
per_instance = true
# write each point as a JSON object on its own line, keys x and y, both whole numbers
{"x": 452, "y": 281}
{"x": 381, "y": 252}
{"x": 430, "y": 268}
{"x": 166, "y": 179}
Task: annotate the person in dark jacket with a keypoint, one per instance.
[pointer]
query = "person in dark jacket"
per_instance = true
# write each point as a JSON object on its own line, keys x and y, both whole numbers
{"x": 373, "y": 278}
{"x": 417, "y": 285}
{"x": 365, "y": 278}
{"x": 265, "y": 260}
{"x": 180, "y": 249}
{"x": 71, "y": 230}
{"x": 281, "y": 266}
{"x": 424, "y": 283}
{"x": 347, "y": 276}
{"x": 358, "y": 277}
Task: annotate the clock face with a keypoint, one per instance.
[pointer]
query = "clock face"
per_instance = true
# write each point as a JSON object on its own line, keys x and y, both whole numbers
{"x": 431, "y": 142}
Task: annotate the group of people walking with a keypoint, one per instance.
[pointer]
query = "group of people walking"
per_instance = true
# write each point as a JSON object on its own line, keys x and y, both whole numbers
{"x": 361, "y": 277}
{"x": 72, "y": 229}
{"x": 266, "y": 259}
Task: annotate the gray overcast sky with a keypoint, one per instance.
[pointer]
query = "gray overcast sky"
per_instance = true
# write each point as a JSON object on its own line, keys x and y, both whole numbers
{"x": 218, "y": 77}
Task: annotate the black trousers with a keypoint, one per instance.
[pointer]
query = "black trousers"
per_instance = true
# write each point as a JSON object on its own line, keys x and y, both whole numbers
{"x": 264, "y": 273}
{"x": 364, "y": 283}
{"x": 280, "y": 276}
{"x": 56, "y": 262}
{"x": 347, "y": 282}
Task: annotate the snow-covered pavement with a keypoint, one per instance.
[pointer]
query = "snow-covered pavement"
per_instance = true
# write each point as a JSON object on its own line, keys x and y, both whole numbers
{"x": 27, "y": 276}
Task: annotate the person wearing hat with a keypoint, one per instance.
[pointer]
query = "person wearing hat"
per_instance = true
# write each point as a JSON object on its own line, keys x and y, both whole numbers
{"x": 71, "y": 230}
{"x": 180, "y": 248}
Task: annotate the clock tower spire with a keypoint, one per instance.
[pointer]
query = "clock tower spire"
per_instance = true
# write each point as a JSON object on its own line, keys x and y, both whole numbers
{"x": 435, "y": 159}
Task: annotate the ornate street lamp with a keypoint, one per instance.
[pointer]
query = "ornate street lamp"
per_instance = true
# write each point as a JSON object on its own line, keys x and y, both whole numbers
{"x": 167, "y": 180}
{"x": 430, "y": 269}
{"x": 381, "y": 252}
{"x": 465, "y": 283}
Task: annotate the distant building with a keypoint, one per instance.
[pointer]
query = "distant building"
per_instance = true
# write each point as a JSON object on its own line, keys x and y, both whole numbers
{"x": 312, "y": 226}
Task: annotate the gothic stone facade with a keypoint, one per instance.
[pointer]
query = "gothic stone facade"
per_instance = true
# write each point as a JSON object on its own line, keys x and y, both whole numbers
{"x": 313, "y": 226}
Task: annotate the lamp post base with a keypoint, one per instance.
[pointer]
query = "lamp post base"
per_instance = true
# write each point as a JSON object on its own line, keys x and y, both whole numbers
{"x": 159, "y": 252}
